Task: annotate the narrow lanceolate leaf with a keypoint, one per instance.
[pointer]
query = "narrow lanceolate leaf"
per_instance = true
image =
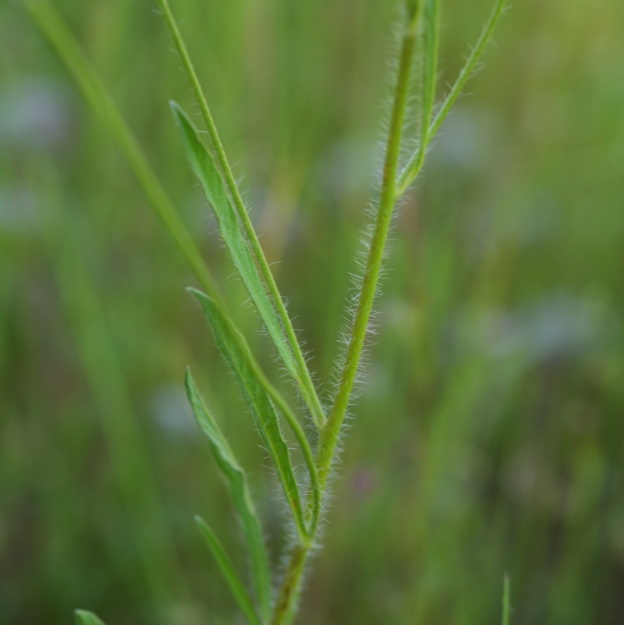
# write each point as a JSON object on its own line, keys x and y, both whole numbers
{"x": 83, "y": 617}
{"x": 237, "y": 588}
{"x": 241, "y": 497}
{"x": 283, "y": 407}
{"x": 234, "y": 349}
{"x": 412, "y": 169}
{"x": 205, "y": 169}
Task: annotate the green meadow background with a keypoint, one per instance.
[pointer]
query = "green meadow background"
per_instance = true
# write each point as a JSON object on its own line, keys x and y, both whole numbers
{"x": 488, "y": 436}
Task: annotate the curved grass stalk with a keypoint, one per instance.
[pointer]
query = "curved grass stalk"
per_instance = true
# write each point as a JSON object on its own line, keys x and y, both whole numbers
{"x": 95, "y": 92}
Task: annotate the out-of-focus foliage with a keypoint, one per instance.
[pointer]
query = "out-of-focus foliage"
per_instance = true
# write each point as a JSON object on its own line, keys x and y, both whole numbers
{"x": 488, "y": 436}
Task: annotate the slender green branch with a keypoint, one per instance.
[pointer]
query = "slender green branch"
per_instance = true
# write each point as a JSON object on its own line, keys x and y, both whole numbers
{"x": 414, "y": 165}
{"x": 307, "y": 387}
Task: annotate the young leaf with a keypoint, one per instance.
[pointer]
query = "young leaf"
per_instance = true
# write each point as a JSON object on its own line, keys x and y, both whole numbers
{"x": 241, "y": 497}
{"x": 82, "y": 617}
{"x": 204, "y": 167}
{"x": 237, "y": 588}
{"x": 283, "y": 407}
{"x": 236, "y": 353}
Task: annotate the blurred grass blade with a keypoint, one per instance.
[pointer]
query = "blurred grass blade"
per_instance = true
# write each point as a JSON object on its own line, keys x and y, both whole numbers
{"x": 224, "y": 562}
{"x": 234, "y": 350}
{"x": 46, "y": 16}
{"x": 212, "y": 182}
{"x": 412, "y": 169}
{"x": 83, "y": 617}
{"x": 506, "y": 601}
{"x": 241, "y": 497}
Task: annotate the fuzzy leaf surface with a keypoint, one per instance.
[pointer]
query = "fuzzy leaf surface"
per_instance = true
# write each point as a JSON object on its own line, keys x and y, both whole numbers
{"x": 205, "y": 169}
{"x": 239, "y": 491}
{"x": 234, "y": 349}
{"x": 237, "y": 588}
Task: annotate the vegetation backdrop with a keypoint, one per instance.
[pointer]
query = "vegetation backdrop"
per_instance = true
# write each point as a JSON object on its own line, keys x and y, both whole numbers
{"x": 488, "y": 437}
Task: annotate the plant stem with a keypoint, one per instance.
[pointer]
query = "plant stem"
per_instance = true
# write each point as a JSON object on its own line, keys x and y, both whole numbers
{"x": 291, "y": 584}
{"x": 307, "y": 387}
{"x": 330, "y": 434}
{"x": 286, "y": 603}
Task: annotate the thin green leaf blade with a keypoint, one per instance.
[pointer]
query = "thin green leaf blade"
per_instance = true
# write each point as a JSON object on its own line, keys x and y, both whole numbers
{"x": 204, "y": 167}
{"x": 235, "y": 352}
{"x": 237, "y": 588}
{"x": 240, "y": 493}
{"x": 84, "y": 617}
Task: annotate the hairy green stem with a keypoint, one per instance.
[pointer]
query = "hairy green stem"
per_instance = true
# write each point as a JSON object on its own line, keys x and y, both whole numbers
{"x": 286, "y": 603}
{"x": 293, "y": 577}
{"x": 330, "y": 434}
{"x": 307, "y": 387}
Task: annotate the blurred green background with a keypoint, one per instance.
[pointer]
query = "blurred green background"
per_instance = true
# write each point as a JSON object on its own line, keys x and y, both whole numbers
{"x": 488, "y": 437}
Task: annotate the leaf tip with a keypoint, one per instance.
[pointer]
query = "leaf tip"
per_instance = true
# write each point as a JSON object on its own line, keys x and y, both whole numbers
{"x": 200, "y": 296}
{"x": 84, "y": 617}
